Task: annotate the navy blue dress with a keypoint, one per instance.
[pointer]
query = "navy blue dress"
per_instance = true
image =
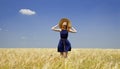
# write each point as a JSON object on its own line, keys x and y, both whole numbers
{"x": 64, "y": 45}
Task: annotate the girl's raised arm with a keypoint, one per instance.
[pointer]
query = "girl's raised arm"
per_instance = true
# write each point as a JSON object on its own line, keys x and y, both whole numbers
{"x": 56, "y": 28}
{"x": 72, "y": 30}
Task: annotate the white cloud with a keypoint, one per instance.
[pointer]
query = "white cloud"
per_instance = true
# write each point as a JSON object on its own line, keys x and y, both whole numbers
{"x": 23, "y": 37}
{"x": 27, "y": 12}
{"x": 6, "y": 30}
{"x": 0, "y": 29}
{"x": 3, "y": 30}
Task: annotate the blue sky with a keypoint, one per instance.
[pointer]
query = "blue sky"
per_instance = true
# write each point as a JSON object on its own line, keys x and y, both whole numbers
{"x": 97, "y": 23}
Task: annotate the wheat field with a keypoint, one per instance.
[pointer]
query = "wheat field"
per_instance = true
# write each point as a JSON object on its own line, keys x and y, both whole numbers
{"x": 49, "y": 58}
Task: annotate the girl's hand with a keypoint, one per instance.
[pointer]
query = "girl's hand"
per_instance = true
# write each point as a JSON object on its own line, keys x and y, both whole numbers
{"x": 68, "y": 28}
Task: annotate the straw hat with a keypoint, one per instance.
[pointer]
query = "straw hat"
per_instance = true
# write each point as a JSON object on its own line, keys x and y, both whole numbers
{"x": 65, "y": 20}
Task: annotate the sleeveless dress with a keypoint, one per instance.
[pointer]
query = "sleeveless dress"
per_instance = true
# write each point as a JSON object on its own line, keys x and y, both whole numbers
{"x": 64, "y": 45}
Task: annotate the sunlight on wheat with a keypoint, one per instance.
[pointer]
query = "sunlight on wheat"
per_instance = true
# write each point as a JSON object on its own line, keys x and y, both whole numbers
{"x": 49, "y": 58}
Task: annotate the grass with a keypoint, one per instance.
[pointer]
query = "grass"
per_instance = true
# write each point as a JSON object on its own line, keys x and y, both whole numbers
{"x": 49, "y": 58}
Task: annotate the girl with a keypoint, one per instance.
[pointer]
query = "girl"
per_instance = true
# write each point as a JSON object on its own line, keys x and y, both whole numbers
{"x": 64, "y": 27}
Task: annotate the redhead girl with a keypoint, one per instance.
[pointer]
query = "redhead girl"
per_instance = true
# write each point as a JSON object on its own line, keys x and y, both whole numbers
{"x": 64, "y": 26}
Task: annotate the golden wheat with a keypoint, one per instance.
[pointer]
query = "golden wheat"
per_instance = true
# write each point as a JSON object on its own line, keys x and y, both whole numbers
{"x": 49, "y": 58}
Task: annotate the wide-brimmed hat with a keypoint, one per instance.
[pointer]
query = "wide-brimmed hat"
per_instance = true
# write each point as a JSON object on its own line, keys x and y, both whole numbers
{"x": 69, "y": 25}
